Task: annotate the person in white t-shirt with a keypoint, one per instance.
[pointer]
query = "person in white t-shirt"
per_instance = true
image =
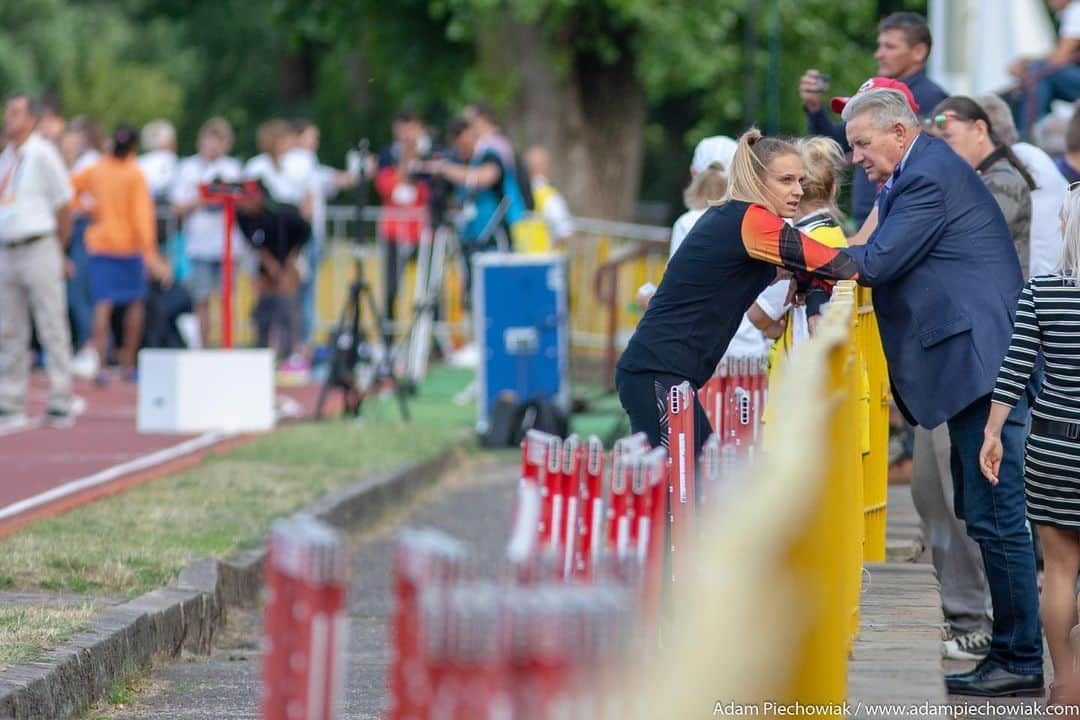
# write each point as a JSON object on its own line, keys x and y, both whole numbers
{"x": 276, "y": 139}
{"x": 288, "y": 183}
{"x": 1048, "y": 195}
{"x": 204, "y": 224}
{"x": 1055, "y": 77}
{"x": 35, "y": 221}
{"x": 322, "y": 181}
{"x": 158, "y": 161}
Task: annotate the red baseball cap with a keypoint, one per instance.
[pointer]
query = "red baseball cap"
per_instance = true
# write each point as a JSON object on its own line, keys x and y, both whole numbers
{"x": 877, "y": 83}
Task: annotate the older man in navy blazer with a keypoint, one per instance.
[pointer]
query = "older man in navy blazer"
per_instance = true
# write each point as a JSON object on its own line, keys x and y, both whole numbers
{"x": 946, "y": 280}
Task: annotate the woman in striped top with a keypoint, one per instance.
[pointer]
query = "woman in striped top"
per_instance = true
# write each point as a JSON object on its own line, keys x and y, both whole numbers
{"x": 1048, "y": 320}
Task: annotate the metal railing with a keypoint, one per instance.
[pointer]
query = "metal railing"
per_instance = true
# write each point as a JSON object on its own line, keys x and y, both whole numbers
{"x": 607, "y": 261}
{"x": 781, "y": 560}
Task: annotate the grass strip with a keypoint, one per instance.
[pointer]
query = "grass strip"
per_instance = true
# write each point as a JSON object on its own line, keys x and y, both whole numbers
{"x": 129, "y": 544}
{"x": 27, "y": 631}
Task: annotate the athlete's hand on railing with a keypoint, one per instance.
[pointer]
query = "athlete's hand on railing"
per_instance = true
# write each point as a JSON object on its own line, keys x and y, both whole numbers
{"x": 776, "y": 329}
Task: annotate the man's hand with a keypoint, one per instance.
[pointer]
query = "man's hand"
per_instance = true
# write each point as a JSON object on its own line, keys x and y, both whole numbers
{"x": 159, "y": 270}
{"x": 345, "y": 180}
{"x": 794, "y": 297}
{"x": 810, "y": 90}
{"x": 1019, "y": 68}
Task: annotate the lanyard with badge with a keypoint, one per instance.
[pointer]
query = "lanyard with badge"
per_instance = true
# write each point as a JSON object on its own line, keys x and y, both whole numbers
{"x": 8, "y": 180}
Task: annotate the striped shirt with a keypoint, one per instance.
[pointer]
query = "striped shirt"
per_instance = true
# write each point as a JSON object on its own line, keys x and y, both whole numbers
{"x": 1047, "y": 319}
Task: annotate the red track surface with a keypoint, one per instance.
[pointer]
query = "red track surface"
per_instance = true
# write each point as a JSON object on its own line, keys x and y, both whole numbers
{"x": 39, "y": 459}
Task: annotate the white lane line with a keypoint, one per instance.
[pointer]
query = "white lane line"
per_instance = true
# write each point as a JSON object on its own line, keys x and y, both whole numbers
{"x": 99, "y": 478}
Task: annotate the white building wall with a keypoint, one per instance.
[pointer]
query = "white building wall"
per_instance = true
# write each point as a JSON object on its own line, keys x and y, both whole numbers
{"x": 975, "y": 41}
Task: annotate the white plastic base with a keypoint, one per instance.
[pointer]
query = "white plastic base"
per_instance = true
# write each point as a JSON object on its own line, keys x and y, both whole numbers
{"x": 195, "y": 391}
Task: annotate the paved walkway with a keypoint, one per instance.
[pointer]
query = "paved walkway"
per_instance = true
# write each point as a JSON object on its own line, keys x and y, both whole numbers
{"x": 476, "y": 510}
{"x": 897, "y": 658}
{"x": 47, "y": 470}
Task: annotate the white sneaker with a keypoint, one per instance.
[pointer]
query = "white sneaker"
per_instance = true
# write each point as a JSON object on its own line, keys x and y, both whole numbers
{"x": 13, "y": 420}
{"x": 188, "y": 327}
{"x": 466, "y": 357}
{"x": 969, "y": 646}
{"x": 85, "y": 364}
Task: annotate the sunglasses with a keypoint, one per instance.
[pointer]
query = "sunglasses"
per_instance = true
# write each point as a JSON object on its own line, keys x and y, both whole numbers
{"x": 1073, "y": 186}
{"x": 941, "y": 120}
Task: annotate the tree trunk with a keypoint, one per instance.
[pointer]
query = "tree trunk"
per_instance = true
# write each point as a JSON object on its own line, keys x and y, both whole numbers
{"x": 590, "y": 117}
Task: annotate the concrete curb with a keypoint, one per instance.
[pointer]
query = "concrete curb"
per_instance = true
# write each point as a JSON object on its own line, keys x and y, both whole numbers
{"x": 188, "y": 614}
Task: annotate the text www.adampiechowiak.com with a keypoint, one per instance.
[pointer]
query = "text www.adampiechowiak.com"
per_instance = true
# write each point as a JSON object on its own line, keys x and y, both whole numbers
{"x": 768, "y": 708}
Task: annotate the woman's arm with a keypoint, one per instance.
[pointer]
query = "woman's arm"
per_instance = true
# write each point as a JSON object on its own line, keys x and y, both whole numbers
{"x": 767, "y": 237}
{"x": 481, "y": 176}
{"x": 1012, "y": 381}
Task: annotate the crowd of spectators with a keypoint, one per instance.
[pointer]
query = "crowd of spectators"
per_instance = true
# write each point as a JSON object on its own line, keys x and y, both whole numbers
{"x": 141, "y": 247}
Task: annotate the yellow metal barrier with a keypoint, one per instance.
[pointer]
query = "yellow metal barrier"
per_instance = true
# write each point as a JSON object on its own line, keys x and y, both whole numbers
{"x": 771, "y": 614}
{"x": 875, "y": 461}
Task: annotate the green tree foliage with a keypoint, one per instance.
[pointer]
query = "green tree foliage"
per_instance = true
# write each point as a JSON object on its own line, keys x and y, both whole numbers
{"x": 705, "y": 66}
{"x": 95, "y": 57}
{"x": 699, "y": 62}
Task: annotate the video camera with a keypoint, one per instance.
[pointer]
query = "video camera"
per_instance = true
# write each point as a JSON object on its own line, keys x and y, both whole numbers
{"x": 360, "y": 161}
{"x": 440, "y": 189}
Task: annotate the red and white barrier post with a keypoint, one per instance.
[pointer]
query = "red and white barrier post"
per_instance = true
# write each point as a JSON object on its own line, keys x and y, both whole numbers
{"x": 592, "y": 536}
{"x": 528, "y": 527}
{"x": 654, "y": 471}
{"x": 681, "y": 475}
{"x": 571, "y": 492}
{"x": 305, "y": 626}
{"x": 424, "y": 561}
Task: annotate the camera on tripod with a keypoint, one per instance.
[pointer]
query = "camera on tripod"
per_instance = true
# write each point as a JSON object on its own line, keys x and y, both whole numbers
{"x": 361, "y": 162}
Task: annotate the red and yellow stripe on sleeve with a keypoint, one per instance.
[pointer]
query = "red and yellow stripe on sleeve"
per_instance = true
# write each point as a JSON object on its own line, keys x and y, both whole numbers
{"x": 767, "y": 237}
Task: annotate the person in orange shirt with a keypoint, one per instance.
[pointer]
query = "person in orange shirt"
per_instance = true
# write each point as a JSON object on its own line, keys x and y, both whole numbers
{"x": 122, "y": 244}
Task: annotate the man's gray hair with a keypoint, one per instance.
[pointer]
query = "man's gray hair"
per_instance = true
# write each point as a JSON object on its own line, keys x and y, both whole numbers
{"x": 1001, "y": 118}
{"x": 886, "y": 106}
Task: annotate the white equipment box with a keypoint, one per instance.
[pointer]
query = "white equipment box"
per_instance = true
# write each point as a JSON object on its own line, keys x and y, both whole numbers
{"x": 194, "y": 391}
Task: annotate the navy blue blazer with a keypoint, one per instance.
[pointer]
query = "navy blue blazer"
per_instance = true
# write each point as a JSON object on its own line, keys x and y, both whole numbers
{"x": 946, "y": 280}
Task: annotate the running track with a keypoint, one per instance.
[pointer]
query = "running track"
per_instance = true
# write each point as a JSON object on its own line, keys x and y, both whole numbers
{"x": 45, "y": 471}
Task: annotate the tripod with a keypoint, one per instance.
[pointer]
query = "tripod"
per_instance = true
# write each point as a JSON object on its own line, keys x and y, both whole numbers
{"x": 434, "y": 253}
{"x": 360, "y": 366}
{"x": 413, "y": 348}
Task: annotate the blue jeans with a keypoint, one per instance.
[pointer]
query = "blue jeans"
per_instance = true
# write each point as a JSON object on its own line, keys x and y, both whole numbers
{"x": 313, "y": 251}
{"x": 996, "y": 520}
{"x": 1063, "y": 84}
{"x": 80, "y": 302}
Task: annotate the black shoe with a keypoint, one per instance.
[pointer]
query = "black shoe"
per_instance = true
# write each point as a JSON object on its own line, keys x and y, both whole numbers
{"x": 992, "y": 680}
